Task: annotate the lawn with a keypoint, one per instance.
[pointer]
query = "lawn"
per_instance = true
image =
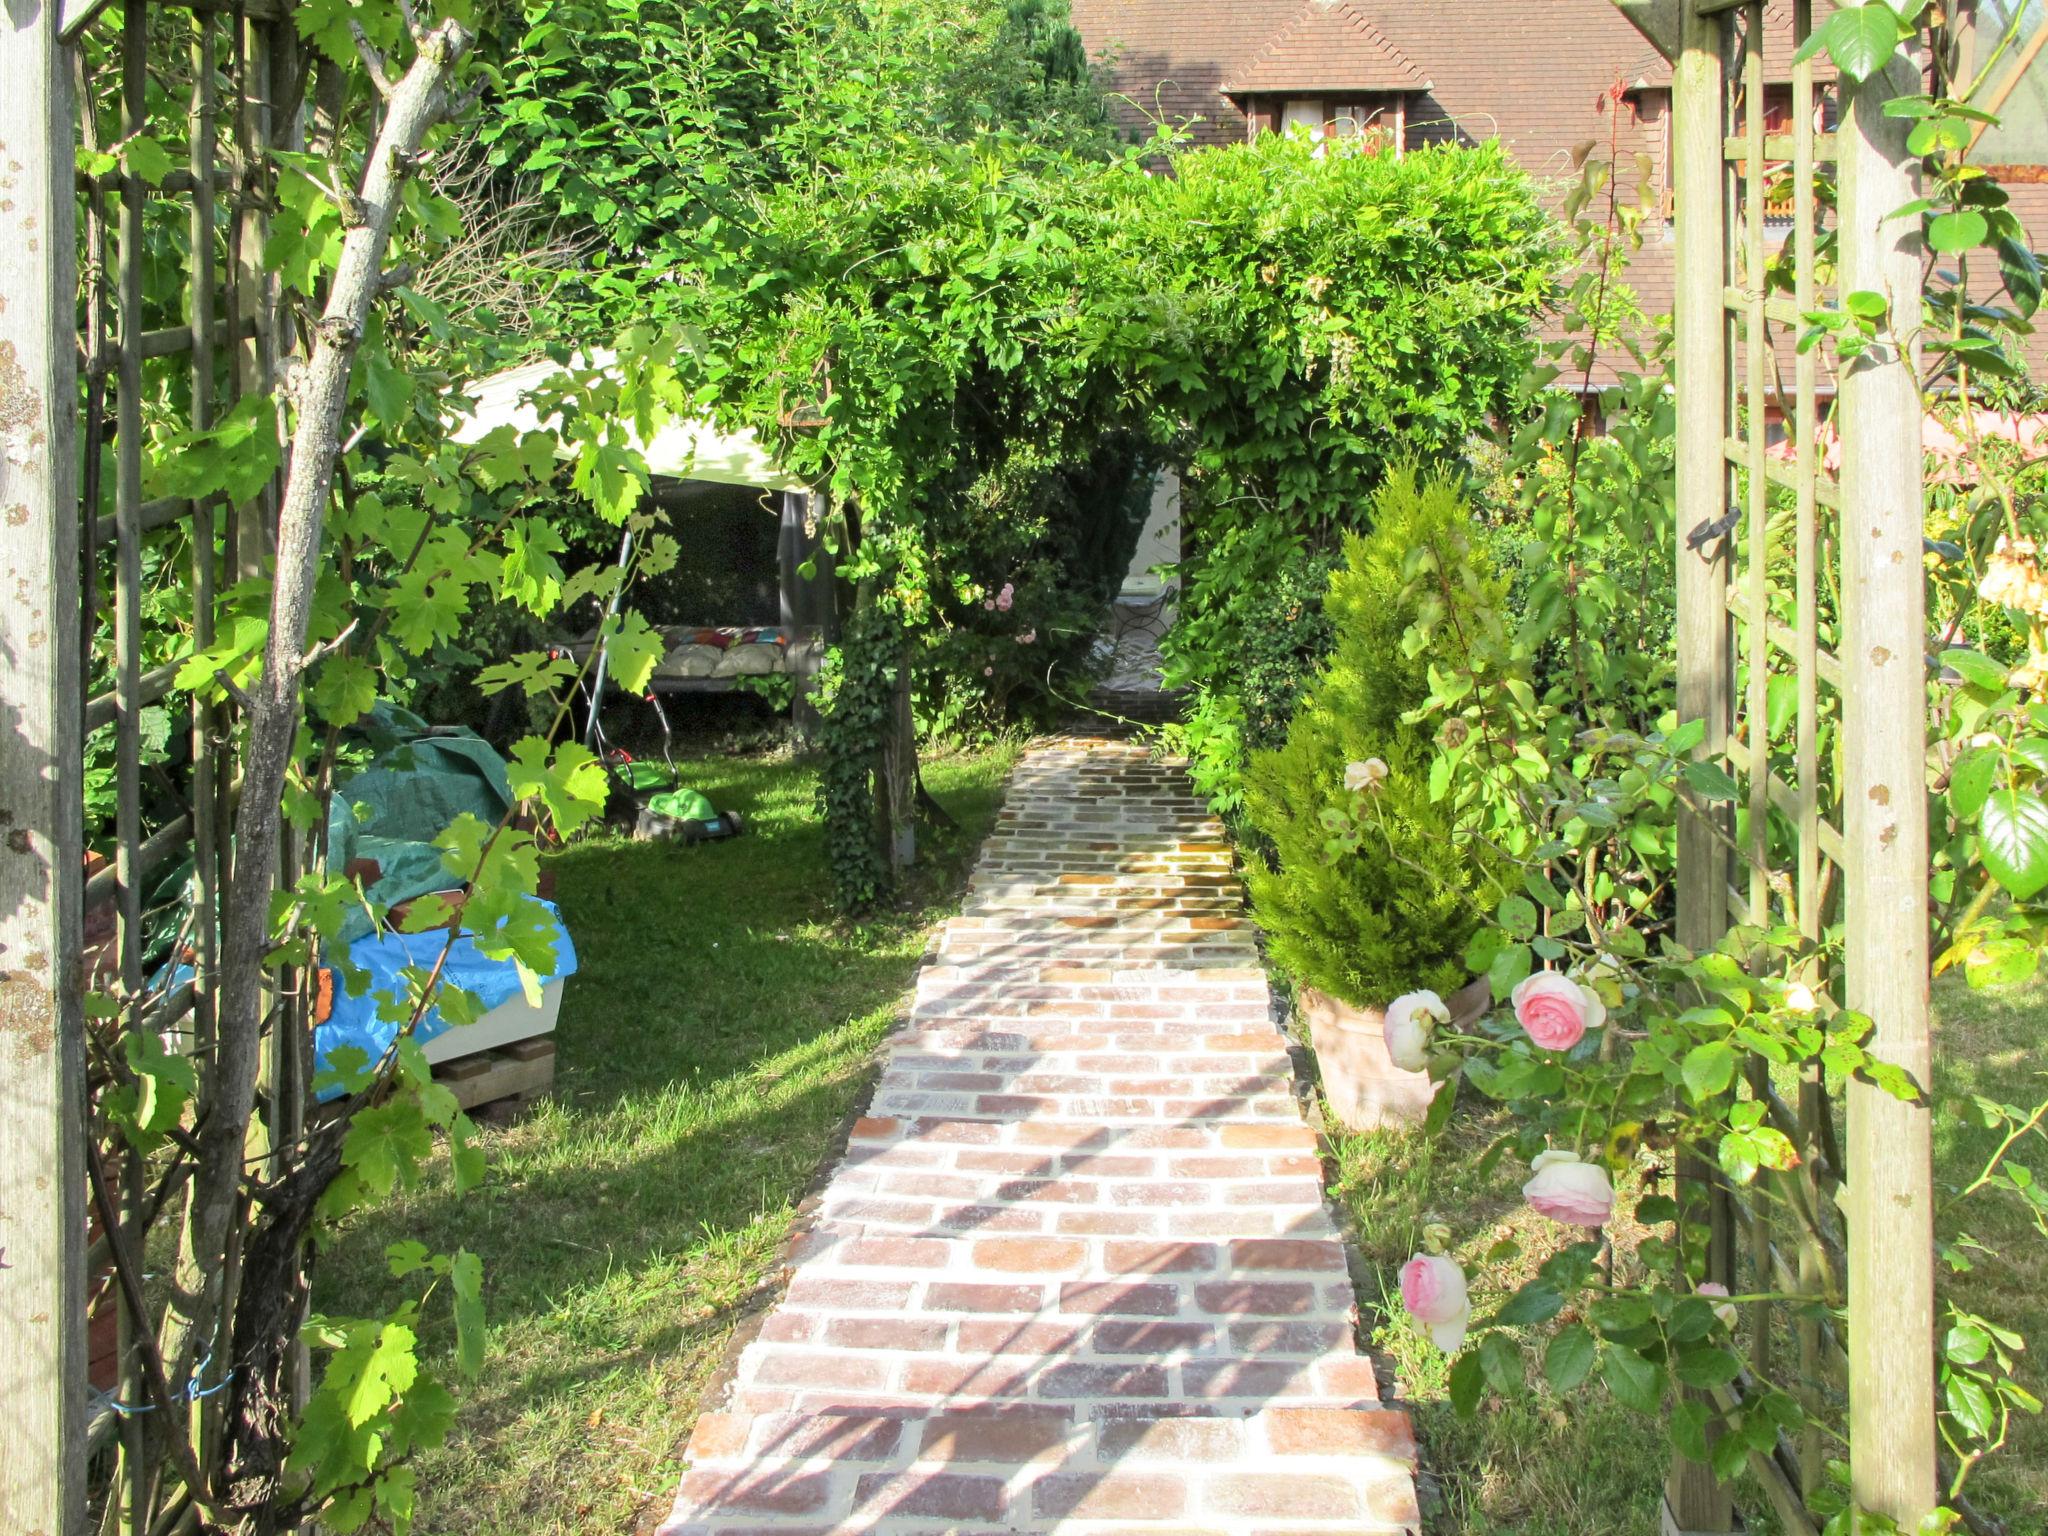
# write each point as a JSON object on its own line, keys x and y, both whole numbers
{"x": 718, "y": 1035}
{"x": 1584, "y": 1466}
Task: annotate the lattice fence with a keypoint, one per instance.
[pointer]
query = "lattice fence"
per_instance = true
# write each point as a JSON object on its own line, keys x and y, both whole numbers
{"x": 1801, "y": 635}
{"x": 160, "y": 352}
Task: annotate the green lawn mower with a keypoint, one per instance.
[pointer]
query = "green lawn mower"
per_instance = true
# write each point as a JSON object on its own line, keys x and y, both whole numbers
{"x": 660, "y": 806}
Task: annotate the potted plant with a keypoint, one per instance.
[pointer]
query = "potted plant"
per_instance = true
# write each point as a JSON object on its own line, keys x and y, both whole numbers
{"x": 1356, "y": 878}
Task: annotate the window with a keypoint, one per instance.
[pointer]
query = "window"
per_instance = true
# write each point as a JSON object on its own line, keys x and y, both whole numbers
{"x": 1372, "y": 123}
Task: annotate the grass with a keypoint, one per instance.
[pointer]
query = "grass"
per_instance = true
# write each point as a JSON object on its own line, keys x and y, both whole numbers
{"x": 1585, "y": 1466}
{"x": 719, "y": 1032}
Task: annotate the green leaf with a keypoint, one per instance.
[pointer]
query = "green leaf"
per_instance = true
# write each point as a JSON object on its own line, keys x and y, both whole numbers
{"x": 345, "y": 689}
{"x": 1509, "y": 967}
{"x": 1708, "y": 1069}
{"x": 571, "y": 786}
{"x": 1971, "y": 1407}
{"x": 1501, "y": 1359}
{"x": 1970, "y": 781}
{"x": 1689, "y": 1420}
{"x": 1536, "y": 1302}
{"x": 379, "y": 1372}
{"x": 146, "y": 159}
{"x": 466, "y": 1278}
{"x": 1635, "y": 1382}
{"x": 1974, "y": 668}
{"x": 1950, "y": 233}
{"x": 2014, "y": 837}
{"x": 1518, "y": 916}
{"x": 2002, "y": 963}
{"x": 1708, "y": 1367}
{"x": 632, "y": 652}
{"x": 1467, "y": 1384}
{"x": 1569, "y": 1359}
{"x": 1711, "y": 781}
{"x": 1866, "y": 304}
{"x": 1861, "y": 39}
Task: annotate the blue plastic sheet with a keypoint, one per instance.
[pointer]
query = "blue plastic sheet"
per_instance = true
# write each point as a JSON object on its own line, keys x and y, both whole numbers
{"x": 353, "y": 1020}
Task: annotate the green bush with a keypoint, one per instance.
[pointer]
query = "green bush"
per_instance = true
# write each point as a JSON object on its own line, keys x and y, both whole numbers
{"x": 1392, "y": 915}
{"x": 1351, "y": 310}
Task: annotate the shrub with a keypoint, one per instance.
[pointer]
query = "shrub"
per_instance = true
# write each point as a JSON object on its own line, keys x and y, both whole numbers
{"x": 1351, "y": 310}
{"x": 1395, "y": 914}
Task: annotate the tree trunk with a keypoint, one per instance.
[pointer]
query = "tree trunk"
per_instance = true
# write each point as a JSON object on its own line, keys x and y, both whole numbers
{"x": 899, "y": 772}
{"x": 416, "y": 103}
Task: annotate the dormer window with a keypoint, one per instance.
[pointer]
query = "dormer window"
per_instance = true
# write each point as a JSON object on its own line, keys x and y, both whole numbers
{"x": 1331, "y": 74}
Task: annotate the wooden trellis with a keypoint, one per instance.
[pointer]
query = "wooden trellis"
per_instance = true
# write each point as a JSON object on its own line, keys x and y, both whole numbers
{"x": 1834, "y": 828}
{"x": 151, "y": 366}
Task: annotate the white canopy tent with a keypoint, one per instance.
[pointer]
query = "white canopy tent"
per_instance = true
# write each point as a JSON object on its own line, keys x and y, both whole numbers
{"x": 686, "y": 450}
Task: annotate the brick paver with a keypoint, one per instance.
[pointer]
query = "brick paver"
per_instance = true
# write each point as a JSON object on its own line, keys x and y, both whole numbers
{"x": 1075, "y": 1273}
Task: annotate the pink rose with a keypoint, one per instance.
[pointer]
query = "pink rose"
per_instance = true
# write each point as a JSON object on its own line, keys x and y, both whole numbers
{"x": 1433, "y": 1291}
{"x": 1029, "y": 637}
{"x": 1567, "y": 1190}
{"x": 1408, "y": 1027}
{"x": 1555, "y": 1010}
{"x": 1724, "y": 1309}
{"x": 1006, "y": 597}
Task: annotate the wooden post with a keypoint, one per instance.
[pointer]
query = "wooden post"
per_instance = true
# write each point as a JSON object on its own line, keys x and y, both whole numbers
{"x": 1884, "y": 832}
{"x": 1694, "y": 1501}
{"x": 42, "y": 1178}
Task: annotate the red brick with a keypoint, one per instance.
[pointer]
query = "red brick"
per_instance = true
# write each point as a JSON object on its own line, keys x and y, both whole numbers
{"x": 1007, "y": 1337}
{"x": 1072, "y": 1379}
{"x": 1257, "y": 1298}
{"x": 966, "y": 1378}
{"x": 930, "y": 1495}
{"x": 815, "y": 1370}
{"x": 1109, "y": 1496}
{"x": 833, "y": 1436}
{"x": 1031, "y": 1255}
{"x": 870, "y": 1128}
{"x": 774, "y": 1492}
{"x": 1159, "y": 1193}
{"x": 1130, "y": 1300}
{"x": 829, "y": 1293}
{"x": 885, "y": 1333}
{"x": 1339, "y": 1431}
{"x": 1291, "y": 1137}
{"x": 1094, "y": 1223}
{"x": 1287, "y": 1253}
{"x": 1179, "y": 1437}
{"x": 1289, "y": 1495}
{"x": 991, "y": 1218}
{"x": 719, "y": 1435}
{"x": 1160, "y": 1258}
{"x": 1000, "y": 1435}
{"x": 968, "y": 1132}
{"x": 1349, "y": 1376}
{"x": 894, "y": 1252}
{"x": 1152, "y": 1336}
{"x": 1262, "y": 1379}
{"x": 952, "y": 1296}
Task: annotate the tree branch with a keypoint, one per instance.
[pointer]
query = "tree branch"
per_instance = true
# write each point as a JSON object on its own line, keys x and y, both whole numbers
{"x": 416, "y": 104}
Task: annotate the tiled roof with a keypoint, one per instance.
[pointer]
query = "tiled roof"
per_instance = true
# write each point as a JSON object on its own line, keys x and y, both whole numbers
{"x": 1327, "y": 44}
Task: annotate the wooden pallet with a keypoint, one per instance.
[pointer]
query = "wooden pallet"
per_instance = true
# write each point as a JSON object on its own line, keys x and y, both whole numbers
{"x": 520, "y": 1072}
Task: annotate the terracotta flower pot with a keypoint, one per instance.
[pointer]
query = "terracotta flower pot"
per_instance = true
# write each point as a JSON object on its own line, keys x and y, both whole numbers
{"x": 1363, "y": 1087}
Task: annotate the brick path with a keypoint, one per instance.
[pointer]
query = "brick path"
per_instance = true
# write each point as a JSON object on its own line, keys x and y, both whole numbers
{"x": 1075, "y": 1273}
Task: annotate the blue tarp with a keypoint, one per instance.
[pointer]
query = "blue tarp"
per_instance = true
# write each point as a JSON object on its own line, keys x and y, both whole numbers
{"x": 354, "y": 1020}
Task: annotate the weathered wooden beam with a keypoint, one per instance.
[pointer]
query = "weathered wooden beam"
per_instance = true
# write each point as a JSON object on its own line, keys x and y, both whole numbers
{"x": 1890, "y": 1204}
{"x": 42, "y": 1179}
{"x": 1658, "y": 20}
{"x": 1694, "y": 1501}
